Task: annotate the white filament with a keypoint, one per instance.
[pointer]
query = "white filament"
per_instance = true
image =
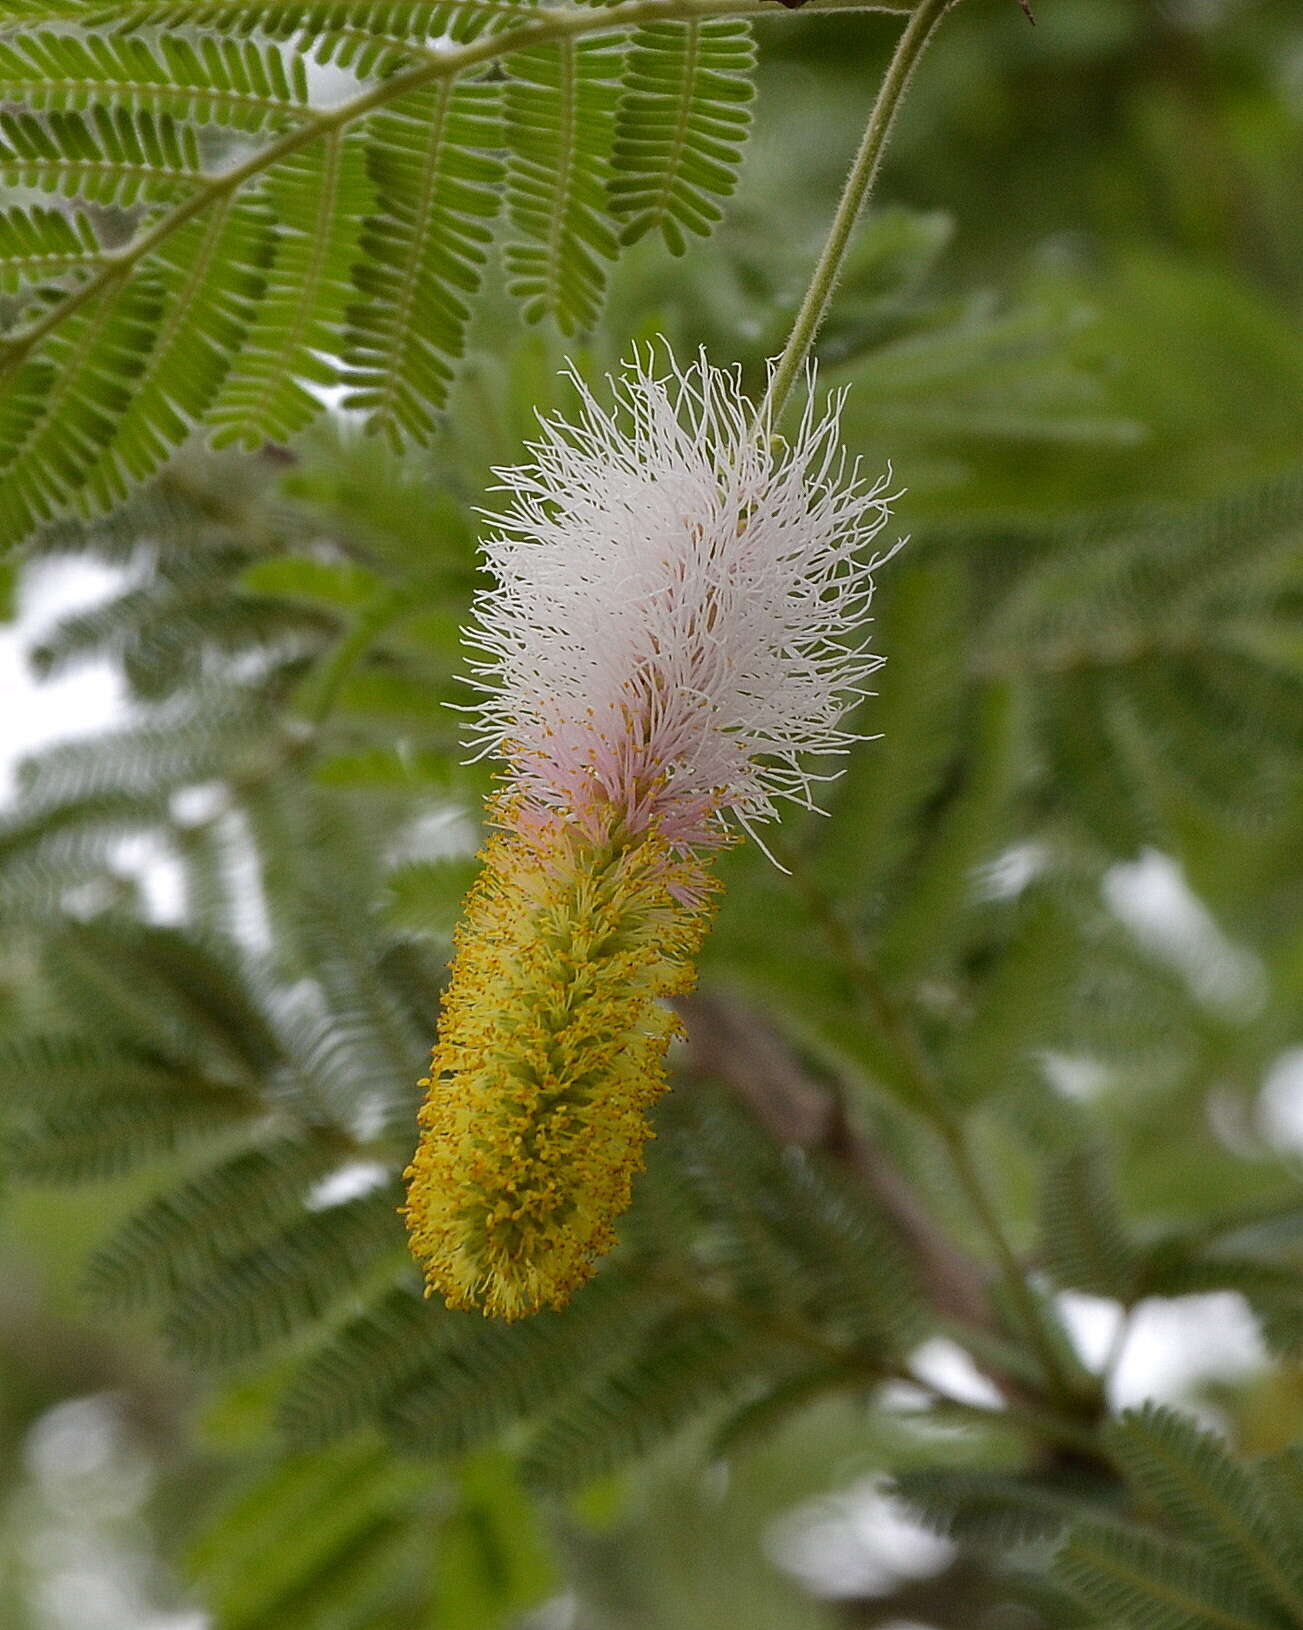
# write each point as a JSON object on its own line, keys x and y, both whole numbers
{"x": 677, "y": 621}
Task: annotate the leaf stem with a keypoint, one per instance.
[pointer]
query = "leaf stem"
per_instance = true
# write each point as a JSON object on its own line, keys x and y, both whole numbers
{"x": 1019, "y": 1417}
{"x": 321, "y": 691}
{"x": 1031, "y": 1314}
{"x": 859, "y": 184}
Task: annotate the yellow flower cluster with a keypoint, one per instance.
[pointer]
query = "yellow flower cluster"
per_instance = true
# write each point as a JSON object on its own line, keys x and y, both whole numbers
{"x": 550, "y": 1053}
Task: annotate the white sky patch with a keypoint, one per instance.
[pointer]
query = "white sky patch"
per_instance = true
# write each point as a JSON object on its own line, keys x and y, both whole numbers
{"x": 147, "y": 857}
{"x": 1171, "y": 1347}
{"x": 1175, "y": 1347}
{"x": 946, "y": 1365}
{"x": 87, "y": 699}
{"x": 560, "y": 1612}
{"x": 447, "y": 833}
{"x": 1073, "y": 1076}
{"x": 1092, "y": 1323}
{"x": 348, "y": 1182}
{"x": 244, "y": 879}
{"x": 1009, "y": 873}
{"x": 82, "y": 1541}
{"x": 857, "y": 1542}
{"x": 1280, "y": 1103}
{"x": 1152, "y": 897}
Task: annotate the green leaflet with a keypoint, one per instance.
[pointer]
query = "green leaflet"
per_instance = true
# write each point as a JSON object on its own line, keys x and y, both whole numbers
{"x": 1130, "y": 1578}
{"x": 1231, "y": 1561}
{"x": 184, "y": 1233}
{"x": 423, "y": 253}
{"x": 347, "y": 1382}
{"x": 1085, "y": 1243}
{"x": 560, "y": 122}
{"x": 36, "y": 243}
{"x": 262, "y": 1296}
{"x": 815, "y": 1243}
{"x": 237, "y": 84}
{"x": 990, "y": 1509}
{"x": 107, "y": 155}
{"x": 319, "y": 199}
{"x": 173, "y": 997}
{"x": 682, "y": 120}
{"x": 427, "y": 896}
{"x": 101, "y": 1138}
{"x": 688, "y": 1363}
{"x": 484, "y": 1376}
{"x": 912, "y": 721}
{"x": 58, "y": 414}
{"x": 354, "y": 1538}
{"x": 966, "y": 834}
{"x": 1214, "y": 1502}
{"x": 317, "y": 1541}
{"x": 214, "y": 272}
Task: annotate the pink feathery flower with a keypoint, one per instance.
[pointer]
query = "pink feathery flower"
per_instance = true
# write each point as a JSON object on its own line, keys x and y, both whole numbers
{"x": 677, "y": 621}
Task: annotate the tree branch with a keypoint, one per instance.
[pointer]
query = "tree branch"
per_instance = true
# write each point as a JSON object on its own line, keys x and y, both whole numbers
{"x": 735, "y": 1047}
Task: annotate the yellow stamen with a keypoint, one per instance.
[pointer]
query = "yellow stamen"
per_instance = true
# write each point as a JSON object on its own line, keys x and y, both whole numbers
{"x": 550, "y": 1053}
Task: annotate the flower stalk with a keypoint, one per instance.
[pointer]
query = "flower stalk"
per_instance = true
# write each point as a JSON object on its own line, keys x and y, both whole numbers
{"x": 850, "y": 207}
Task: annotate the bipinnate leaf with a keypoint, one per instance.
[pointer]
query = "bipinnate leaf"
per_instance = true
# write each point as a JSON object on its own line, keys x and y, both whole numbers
{"x": 682, "y": 120}
{"x": 1134, "y": 1579}
{"x": 1214, "y": 1502}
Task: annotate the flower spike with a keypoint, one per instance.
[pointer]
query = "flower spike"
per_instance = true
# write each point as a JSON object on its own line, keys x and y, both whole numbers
{"x": 675, "y": 625}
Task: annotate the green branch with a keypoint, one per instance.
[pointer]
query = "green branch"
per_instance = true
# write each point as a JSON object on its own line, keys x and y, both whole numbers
{"x": 567, "y": 22}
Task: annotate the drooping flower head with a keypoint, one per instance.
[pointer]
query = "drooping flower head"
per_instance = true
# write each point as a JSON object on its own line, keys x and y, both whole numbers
{"x": 674, "y": 628}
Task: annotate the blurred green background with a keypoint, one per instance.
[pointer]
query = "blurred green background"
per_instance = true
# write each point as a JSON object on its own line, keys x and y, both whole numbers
{"x": 1072, "y": 325}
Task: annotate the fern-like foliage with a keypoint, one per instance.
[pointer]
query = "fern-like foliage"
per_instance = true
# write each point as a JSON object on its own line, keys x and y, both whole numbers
{"x": 58, "y": 414}
{"x": 222, "y": 1212}
{"x": 216, "y": 272}
{"x": 797, "y": 1232}
{"x": 37, "y": 242}
{"x": 1230, "y": 1561}
{"x": 289, "y": 1280}
{"x": 424, "y": 249}
{"x": 333, "y": 1531}
{"x": 1215, "y": 1503}
{"x": 680, "y": 128}
{"x": 996, "y": 1511}
{"x": 355, "y": 1538}
{"x": 107, "y": 155}
{"x": 319, "y": 202}
{"x": 233, "y": 84}
{"x": 274, "y": 246}
{"x": 1135, "y": 1579}
{"x": 1086, "y": 1246}
{"x": 560, "y": 122}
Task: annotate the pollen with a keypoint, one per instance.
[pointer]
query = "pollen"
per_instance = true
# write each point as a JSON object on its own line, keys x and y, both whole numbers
{"x": 551, "y": 1051}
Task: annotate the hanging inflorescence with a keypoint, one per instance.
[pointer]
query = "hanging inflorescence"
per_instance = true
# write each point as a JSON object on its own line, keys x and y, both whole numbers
{"x": 675, "y": 626}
